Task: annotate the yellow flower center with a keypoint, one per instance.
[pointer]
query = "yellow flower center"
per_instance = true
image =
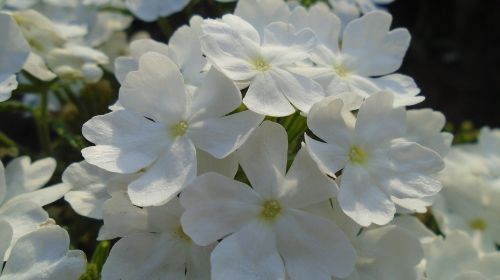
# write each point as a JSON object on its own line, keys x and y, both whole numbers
{"x": 261, "y": 65}
{"x": 178, "y": 129}
{"x": 357, "y": 155}
{"x": 181, "y": 234}
{"x": 478, "y": 224}
{"x": 341, "y": 70}
{"x": 270, "y": 210}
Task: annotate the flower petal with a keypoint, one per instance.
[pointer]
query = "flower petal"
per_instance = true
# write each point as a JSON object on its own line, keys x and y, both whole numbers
{"x": 156, "y": 90}
{"x": 166, "y": 177}
{"x": 126, "y": 141}
{"x": 362, "y": 200}
{"x": 220, "y": 137}
{"x": 237, "y": 258}
{"x": 216, "y": 206}
{"x": 313, "y": 247}
{"x": 330, "y": 157}
{"x": 146, "y": 256}
{"x": 264, "y": 157}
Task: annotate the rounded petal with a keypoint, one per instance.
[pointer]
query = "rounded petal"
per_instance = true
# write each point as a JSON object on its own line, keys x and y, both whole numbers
{"x": 260, "y": 13}
{"x": 150, "y": 10}
{"x": 305, "y": 184}
{"x": 220, "y": 137}
{"x": 313, "y": 247}
{"x": 14, "y": 49}
{"x": 6, "y": 233}
{"x": 329, "y": 157}
{"x": 217, "y": 206}
{"x": 264, "y": 157}
{"x": 166, "y": 177}
{"x": 237, "y": 258}
{"x": 146, "y": 256}
{"x": 156, "y": 90}
{"x": 43, "y": 254}
{"x": 125, "y": 141}
{"x": 362, "y": 200}
{"x": 378, "y": 121}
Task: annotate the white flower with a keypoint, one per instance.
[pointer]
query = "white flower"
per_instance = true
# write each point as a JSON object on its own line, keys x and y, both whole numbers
{"x": 260, "y": 61}
{"x": 184, "y": 49}
{"x": 150, "y": 10}
{"x": 377, "y": 167}
{"x": 43, "y": 255}
{"x": 348, "y": 10}
{"x": 160, "y": 126}
{"x": 14, "y": 51}
{"x": 21, "y": 198}
{"x": 366, "y": 49}
{"x": 157, "y": 248}
{"x": 456, "y": 258}
{"x": 291, "y": 241}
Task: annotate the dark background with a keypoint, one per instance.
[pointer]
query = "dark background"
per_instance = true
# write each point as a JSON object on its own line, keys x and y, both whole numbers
{"x": 454, "y": 56}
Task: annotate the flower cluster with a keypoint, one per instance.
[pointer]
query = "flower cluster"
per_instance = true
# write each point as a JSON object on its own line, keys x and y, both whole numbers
{"x": 275, "y": 142}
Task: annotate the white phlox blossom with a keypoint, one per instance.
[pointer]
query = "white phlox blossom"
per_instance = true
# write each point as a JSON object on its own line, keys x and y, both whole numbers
{"x": 260, "y": 62}
{"x": 43, "y": 255}
{"x": 162, "y": 123}
{"x": 361, "y": 58}
{"x": 378, "y": 166}
{"x": 14, "y": 51}
{"x": 21, "y": 198}
{"x": 291, "y": 242}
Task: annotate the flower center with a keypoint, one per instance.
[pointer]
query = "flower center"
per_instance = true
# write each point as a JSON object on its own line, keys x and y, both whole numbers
{"x": 270, "y": 210}
{"x": 478, "y": 224}
{"x": 357, "y": 155}
{"x": 261, "y": 65}
{"x": 181, "y": 234}
{"x": 178, "y": 129}
{"x": 341, "y": 70}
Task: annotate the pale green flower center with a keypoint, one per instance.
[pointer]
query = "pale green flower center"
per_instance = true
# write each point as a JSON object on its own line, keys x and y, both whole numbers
{"x": 341, "y": 70}
{"x": 179, "y": 231}
{"x": 261, "y": 65}
{"x": 478, "y": 224}
{"x": 357, "y": 155}
{"x": 179, "y": 129}
{"x": 270, "y": 210}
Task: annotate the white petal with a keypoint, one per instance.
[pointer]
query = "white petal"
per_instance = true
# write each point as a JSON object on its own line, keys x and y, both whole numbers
{"x": 26, "y": 176}
{"x": 264, "y": 157}
{"x": 6, "y": 87}
{"x": 150, "y": 10}
{"x": 198, "y": 262}
{"x": 330, "y": 157}
{"x": 6, "y": 237}
{"x": 237, "y": 258}
{"x": 265, "y": 97}
{"x": 325, "y": 120}
{"x": 121, "y": 218}
{"x": 404, "y": 88}
{"x": 87, "y": 202}
{"x": 35, "y": 65}
{"x": 305, "y": 184}
{"x": 3, "y": 185}
{"x": 123, "y": 66}
{"x": 14, "y": 49}
{"x": 302, "y": 92}
{"x": 44, "y": 255}
{"x": 43, "y": 196}
{"x": 220, "y": 137}
{"x": 156, "y": 90}
{"x": 376, "y": 50}
{"x": 216, "y": 206}
{"x": 126, "y": 141}
{"x": 166, "y": 177}
{"x": 216, "y": 97}
{"x": 313, "y": 247}
{"x": 362, "y": 200}
{"x": 143, "y": 46}
{"x": 378, "y": 122}
{"x": 260, "y": 13}
{"x": 146, "y": 256}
